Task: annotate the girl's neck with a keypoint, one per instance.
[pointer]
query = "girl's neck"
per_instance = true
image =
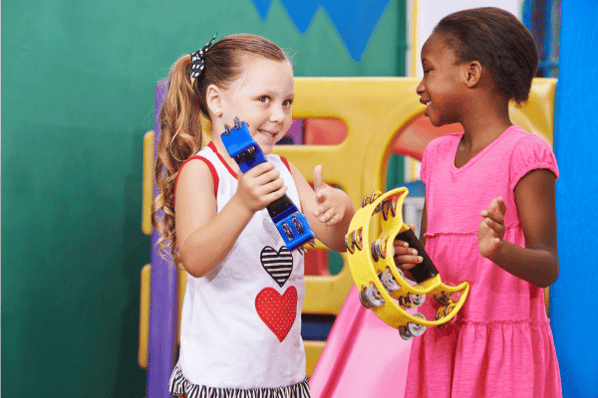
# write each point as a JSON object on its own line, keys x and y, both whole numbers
{"x": 480, "y": 129}
{"x": 484, "y": 124}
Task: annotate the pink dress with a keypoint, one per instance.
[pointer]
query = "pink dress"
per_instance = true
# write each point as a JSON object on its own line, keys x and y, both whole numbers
{"x": 500, "y": 344}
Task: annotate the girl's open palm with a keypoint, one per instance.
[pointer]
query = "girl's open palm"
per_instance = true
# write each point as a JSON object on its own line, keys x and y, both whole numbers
{"x": 331, "y": 207}
{"x": 492, "y": 228}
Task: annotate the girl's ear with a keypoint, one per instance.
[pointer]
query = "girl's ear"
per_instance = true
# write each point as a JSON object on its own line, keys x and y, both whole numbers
{"x": 472, "y": 73}
{"x": 214, "y": 98}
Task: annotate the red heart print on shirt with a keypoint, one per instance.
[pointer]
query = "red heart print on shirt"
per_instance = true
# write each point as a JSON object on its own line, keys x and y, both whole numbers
{"x": 277, "y": 311}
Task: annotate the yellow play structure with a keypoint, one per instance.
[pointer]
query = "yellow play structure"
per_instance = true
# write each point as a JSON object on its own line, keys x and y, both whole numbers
{"x": 376, "y": 112}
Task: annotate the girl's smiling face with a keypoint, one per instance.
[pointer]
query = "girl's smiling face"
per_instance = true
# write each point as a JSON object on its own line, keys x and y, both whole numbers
{"x": 261, "y": 97}
{"x": 442, "y": 87}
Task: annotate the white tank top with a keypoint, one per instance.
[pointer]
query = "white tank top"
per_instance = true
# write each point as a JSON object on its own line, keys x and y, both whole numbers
{"x": 240, "y": 325}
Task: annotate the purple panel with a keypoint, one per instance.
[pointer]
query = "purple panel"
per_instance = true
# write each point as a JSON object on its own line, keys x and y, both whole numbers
{"x": 162, "y": 340}
{"x": 296, "y": 132}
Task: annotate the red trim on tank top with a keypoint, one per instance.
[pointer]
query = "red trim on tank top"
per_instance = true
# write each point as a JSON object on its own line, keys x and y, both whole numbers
{"x": 286, "y": 163}
{"x": 213, "y": 148}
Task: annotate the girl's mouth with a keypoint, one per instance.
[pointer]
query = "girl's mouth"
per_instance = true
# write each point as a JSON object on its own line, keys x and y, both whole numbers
{"x": 427, "y": 107}
{"x": 271, "y": 135}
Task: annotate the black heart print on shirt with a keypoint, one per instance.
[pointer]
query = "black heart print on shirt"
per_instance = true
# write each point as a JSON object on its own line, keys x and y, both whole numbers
{"x": 277, "y": 264}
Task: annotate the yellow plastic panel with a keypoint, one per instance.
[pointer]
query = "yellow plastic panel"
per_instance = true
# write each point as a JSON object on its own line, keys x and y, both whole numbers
{"x": 148, "y": 183}
{"x": 313, "y": 350}
{"x": 144, "y": 316}
{"x": 537, "y": 115}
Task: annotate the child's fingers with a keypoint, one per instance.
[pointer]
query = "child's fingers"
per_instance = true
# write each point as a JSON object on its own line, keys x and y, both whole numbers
{"x": 501, "y": 205}
{"x": 405, "y": 257}
{"x": 321, "y": 210}
{"x": 402, "y": 249}
{"x": 262, "y": 177}
{"x": 333, "y": 220}
{"x": 273, "y": 195}
{"x": 407, "y": 262}
{"x": 327, "y": 215}
{"x": 400, "y": 243}
{"x": 273, "y": 185}
{"x": 497, "y": 206}
{"x": 260, "y": 169}
{"x": 494, "y": 215}
{"x": 495, "y": 226}
{"x": 412, "y": 227}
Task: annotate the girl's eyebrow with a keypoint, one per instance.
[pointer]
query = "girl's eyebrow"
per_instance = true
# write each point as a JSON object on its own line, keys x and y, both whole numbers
{"x": 266, "y": 91}
{"x": 273, "y": 93}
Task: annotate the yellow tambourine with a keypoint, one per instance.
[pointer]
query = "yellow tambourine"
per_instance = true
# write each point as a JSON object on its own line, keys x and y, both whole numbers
{"x": 382, "y": 286}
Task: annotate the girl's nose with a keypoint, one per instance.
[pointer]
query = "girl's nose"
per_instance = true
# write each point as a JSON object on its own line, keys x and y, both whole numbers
{"x": 420, "y": 88}
{"x": 278, "y": 114}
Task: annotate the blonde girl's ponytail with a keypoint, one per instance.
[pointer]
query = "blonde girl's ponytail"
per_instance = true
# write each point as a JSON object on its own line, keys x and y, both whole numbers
{"x": 181, "y": 137}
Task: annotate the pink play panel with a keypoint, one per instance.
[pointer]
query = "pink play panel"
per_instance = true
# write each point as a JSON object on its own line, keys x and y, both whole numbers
{"x": 364, "y": 357}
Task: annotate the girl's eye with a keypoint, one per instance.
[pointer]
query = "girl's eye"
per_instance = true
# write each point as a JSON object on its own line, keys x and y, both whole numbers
{"x": 287, "y": 103}
{"x": 265, "y": 99}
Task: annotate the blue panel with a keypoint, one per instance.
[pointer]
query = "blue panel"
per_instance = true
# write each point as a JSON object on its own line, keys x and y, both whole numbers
{"x": 301, "y": 12}
{"x": 573, "y": 314}
{"x": 262, "y": 6}
{"x": 416, "y": 188}
{"x": 354, "y": 20}
{"x": 316, "y": 326}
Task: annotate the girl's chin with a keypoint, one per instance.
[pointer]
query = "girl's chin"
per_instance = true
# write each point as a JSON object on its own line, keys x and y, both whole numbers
{"x": 435, "y": 121}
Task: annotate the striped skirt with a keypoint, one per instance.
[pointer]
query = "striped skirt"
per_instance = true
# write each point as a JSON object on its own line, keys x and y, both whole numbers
{"x": 180, "y": 386}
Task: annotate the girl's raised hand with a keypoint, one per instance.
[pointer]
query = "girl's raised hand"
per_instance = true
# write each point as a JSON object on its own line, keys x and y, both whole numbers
{"x": 260, "y": 186}
{"x": 492, "y": 228}
{"x": 406, "y": 257}
{"x": 330, "y": 205}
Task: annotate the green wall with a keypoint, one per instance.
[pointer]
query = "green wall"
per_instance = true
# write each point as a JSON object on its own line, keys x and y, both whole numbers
{"x": 78, "y": 83}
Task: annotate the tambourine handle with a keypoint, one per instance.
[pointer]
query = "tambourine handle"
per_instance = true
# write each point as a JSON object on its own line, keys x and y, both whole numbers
{"x": 424, "y": 270}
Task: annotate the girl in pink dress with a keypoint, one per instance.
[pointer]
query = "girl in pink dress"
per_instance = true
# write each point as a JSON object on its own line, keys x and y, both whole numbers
{"x": 489, "y": 216}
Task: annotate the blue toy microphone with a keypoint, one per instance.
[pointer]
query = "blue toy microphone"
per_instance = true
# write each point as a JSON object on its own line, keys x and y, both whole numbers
{"x": 291, "y": 224}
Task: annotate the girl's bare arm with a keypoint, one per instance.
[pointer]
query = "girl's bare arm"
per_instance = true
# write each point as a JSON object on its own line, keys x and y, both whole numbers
{"x": 538, "y": 261}
{"x": 205, "y": 237}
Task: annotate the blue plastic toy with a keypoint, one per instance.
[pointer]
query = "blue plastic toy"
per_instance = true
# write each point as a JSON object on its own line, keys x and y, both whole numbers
{"x": 291, "y": 224}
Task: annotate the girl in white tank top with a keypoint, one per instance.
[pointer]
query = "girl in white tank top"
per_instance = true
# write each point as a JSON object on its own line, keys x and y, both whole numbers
{"x": 241, "y": 318}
